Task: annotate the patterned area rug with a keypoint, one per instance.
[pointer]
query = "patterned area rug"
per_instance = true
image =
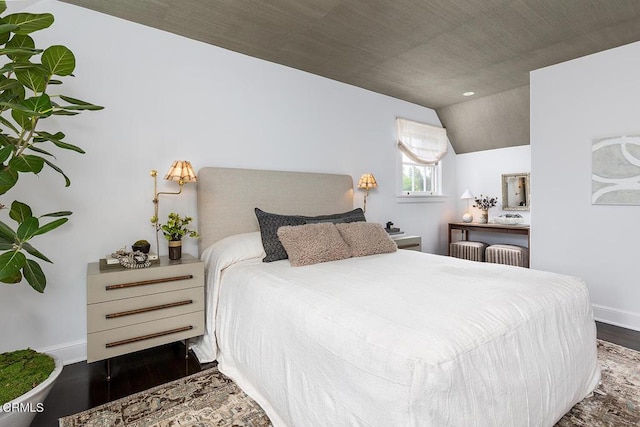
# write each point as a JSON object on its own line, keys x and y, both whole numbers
{"x": 208, "y": 398}
{"x": 616, "y": 401}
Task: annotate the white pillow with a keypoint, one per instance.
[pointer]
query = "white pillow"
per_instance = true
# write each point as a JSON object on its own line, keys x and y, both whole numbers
{"x": 233, "y": 249}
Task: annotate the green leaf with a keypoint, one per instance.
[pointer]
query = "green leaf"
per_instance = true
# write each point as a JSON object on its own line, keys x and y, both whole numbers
{"x": 20, "y": 212}
{"x": 5, "y": 152}
{"x": 57, "y": 214}
{"x": 8, "y": 178}
{"x": 20, "y": 47}
{"x": 74, "y": 101}
{"x": 26, "y": 111}
{"x": 23, "y": 119}
{"x": 7, "y": 232}
{"x": 40, "y": 150}
{"x": 17, "y": 278}
{"x": 34, "y": 275}
{"x": 29, "y": 22}
{"x": 39, "y": 105}
{"x": 7, "y": 28}
{"x": 7, "y": 84}
{"x": 50, "y": 226}
{"x": 59, "y": 60}
{"x": 22, "y": 41}
{"x": 82, "y": 107}
{"x": 28, "y": 228}
{"x": 11, "y": 263}
{"x": 36, "y": 253}
{"x": 8, "y": 124}
{"x": 12, "y": 67}
{"x": 3, "y": 6}
{"x": 27, "y": 163}
{"x": 32, "y": 78}
{"x": 56, "y": 139}
{"x": 65, "y": 113}
{"x": 6, "y": 244}
{"x": 57, "y": 169}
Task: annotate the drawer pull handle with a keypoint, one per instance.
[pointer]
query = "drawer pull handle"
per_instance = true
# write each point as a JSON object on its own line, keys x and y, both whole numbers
{"x": 148, "y": 309}
{"x": 148, "y": 282}
{"x": 409, "y": 245}
{"x": 148, "y": 337}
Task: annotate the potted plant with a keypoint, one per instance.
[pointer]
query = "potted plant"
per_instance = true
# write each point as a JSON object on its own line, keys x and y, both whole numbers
{"x": 142, "y": 246}
{"x": 26, "y": 75}
{"x": 484, "y": 203}
{"x": 174, "y": 230}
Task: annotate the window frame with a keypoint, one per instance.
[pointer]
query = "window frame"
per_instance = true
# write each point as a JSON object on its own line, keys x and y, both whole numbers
{"x": 404, "y": 196}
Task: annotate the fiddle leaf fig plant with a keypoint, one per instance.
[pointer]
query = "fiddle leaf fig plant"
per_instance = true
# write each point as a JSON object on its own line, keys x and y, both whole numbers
{"x": 29, "y": 94}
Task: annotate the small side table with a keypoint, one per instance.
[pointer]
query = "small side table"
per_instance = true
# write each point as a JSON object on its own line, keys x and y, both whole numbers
{"x": 134, "y": 309}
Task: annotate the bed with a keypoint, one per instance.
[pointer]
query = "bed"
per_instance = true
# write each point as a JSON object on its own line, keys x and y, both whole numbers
{"x": 394, "y": 339}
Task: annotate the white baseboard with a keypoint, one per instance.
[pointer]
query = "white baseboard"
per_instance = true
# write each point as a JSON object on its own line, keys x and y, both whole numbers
{"x": 69, "y": 353}
{"x": 617, "y": 317}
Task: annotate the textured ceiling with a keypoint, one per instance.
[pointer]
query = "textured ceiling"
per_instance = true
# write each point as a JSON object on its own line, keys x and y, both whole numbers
{"x": 426, "y": 52}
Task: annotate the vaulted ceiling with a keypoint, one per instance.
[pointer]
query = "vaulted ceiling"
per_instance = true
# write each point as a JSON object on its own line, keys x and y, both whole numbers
{"x": 424, "y": 51}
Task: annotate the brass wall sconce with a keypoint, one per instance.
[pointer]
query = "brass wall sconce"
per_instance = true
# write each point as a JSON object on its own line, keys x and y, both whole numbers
{"x": 367, "y": 182}
{"x": 180, "y": 171}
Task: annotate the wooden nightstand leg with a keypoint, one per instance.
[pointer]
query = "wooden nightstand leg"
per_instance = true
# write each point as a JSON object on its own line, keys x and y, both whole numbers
{"x": 108, "y": 369}
{"x": 186, "y": 348}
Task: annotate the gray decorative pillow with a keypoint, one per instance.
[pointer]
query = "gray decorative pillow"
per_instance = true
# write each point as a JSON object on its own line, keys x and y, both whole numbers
{"x": 366, "y": 238}
{"x": 351, "y": 216}
{"x": 313, "y": 243}
{"x": 269, "y": 224}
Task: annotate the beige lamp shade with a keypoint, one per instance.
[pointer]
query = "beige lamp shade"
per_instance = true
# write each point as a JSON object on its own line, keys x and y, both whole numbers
{"x": 181, "y": 171}
{"x": 367, "y": 181}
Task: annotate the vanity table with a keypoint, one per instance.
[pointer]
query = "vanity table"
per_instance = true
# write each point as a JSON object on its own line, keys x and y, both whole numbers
{"x": 466, "y": 227}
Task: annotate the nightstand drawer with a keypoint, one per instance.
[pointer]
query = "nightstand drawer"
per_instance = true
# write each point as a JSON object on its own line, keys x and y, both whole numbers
{"x": 413, "y": 243}
{"x": 119, "y": 313}
{"x": 116, "y": 285}
{"x": 115, "y": 342}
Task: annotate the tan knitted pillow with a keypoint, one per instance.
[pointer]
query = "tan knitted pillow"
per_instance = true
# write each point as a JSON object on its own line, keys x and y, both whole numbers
{"x": 366, "y": 238}
{"x": 313, "y": 243}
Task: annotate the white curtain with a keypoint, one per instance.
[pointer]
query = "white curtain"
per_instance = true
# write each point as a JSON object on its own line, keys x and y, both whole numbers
{"x": 422, "y": 143}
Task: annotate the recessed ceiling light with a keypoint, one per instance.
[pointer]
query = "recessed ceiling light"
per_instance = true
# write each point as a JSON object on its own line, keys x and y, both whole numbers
{"x": 470, "y": 93}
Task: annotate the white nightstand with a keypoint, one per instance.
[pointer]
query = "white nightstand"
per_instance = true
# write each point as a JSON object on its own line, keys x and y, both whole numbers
{"x": 412, "y": 243}
{"x": 133, "y": 309}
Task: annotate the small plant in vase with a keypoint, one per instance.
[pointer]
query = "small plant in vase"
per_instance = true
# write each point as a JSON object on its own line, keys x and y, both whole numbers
{"x": 484, "y": 203}
{"x": 174, "y": 230}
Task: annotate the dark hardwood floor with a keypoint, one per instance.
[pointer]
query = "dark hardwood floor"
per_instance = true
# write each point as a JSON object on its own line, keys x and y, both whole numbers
{"x": 82, "y": 386}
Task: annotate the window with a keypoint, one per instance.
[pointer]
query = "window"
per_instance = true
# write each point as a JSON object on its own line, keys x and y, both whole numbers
{"x": 419, "y": 178}
{"x": 421, "y": 147}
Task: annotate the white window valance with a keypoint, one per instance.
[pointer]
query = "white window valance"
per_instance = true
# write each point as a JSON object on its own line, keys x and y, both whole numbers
{"x": 422, "y": 143}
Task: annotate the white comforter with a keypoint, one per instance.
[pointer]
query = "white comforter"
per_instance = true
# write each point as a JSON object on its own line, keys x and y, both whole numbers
{"x": 402, "y": 339}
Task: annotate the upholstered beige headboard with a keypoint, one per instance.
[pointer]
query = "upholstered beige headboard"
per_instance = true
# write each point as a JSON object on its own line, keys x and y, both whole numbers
{"x": 227, "y": 198}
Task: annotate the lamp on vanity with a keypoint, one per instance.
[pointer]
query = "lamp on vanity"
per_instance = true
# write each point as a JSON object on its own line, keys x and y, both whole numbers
{"x": 367, "y": 182}
{"x": 180, "y": 171}
{"x": 467, "y": 217}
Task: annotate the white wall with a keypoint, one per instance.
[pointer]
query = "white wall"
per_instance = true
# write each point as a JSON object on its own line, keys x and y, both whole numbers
{"x": 572, "y": 104}
{"x": 169, "y": 98}
{"x": 481, "y": 172}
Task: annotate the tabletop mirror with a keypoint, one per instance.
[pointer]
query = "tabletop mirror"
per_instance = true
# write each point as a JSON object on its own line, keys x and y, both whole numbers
{"x": 515, "y": 192}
